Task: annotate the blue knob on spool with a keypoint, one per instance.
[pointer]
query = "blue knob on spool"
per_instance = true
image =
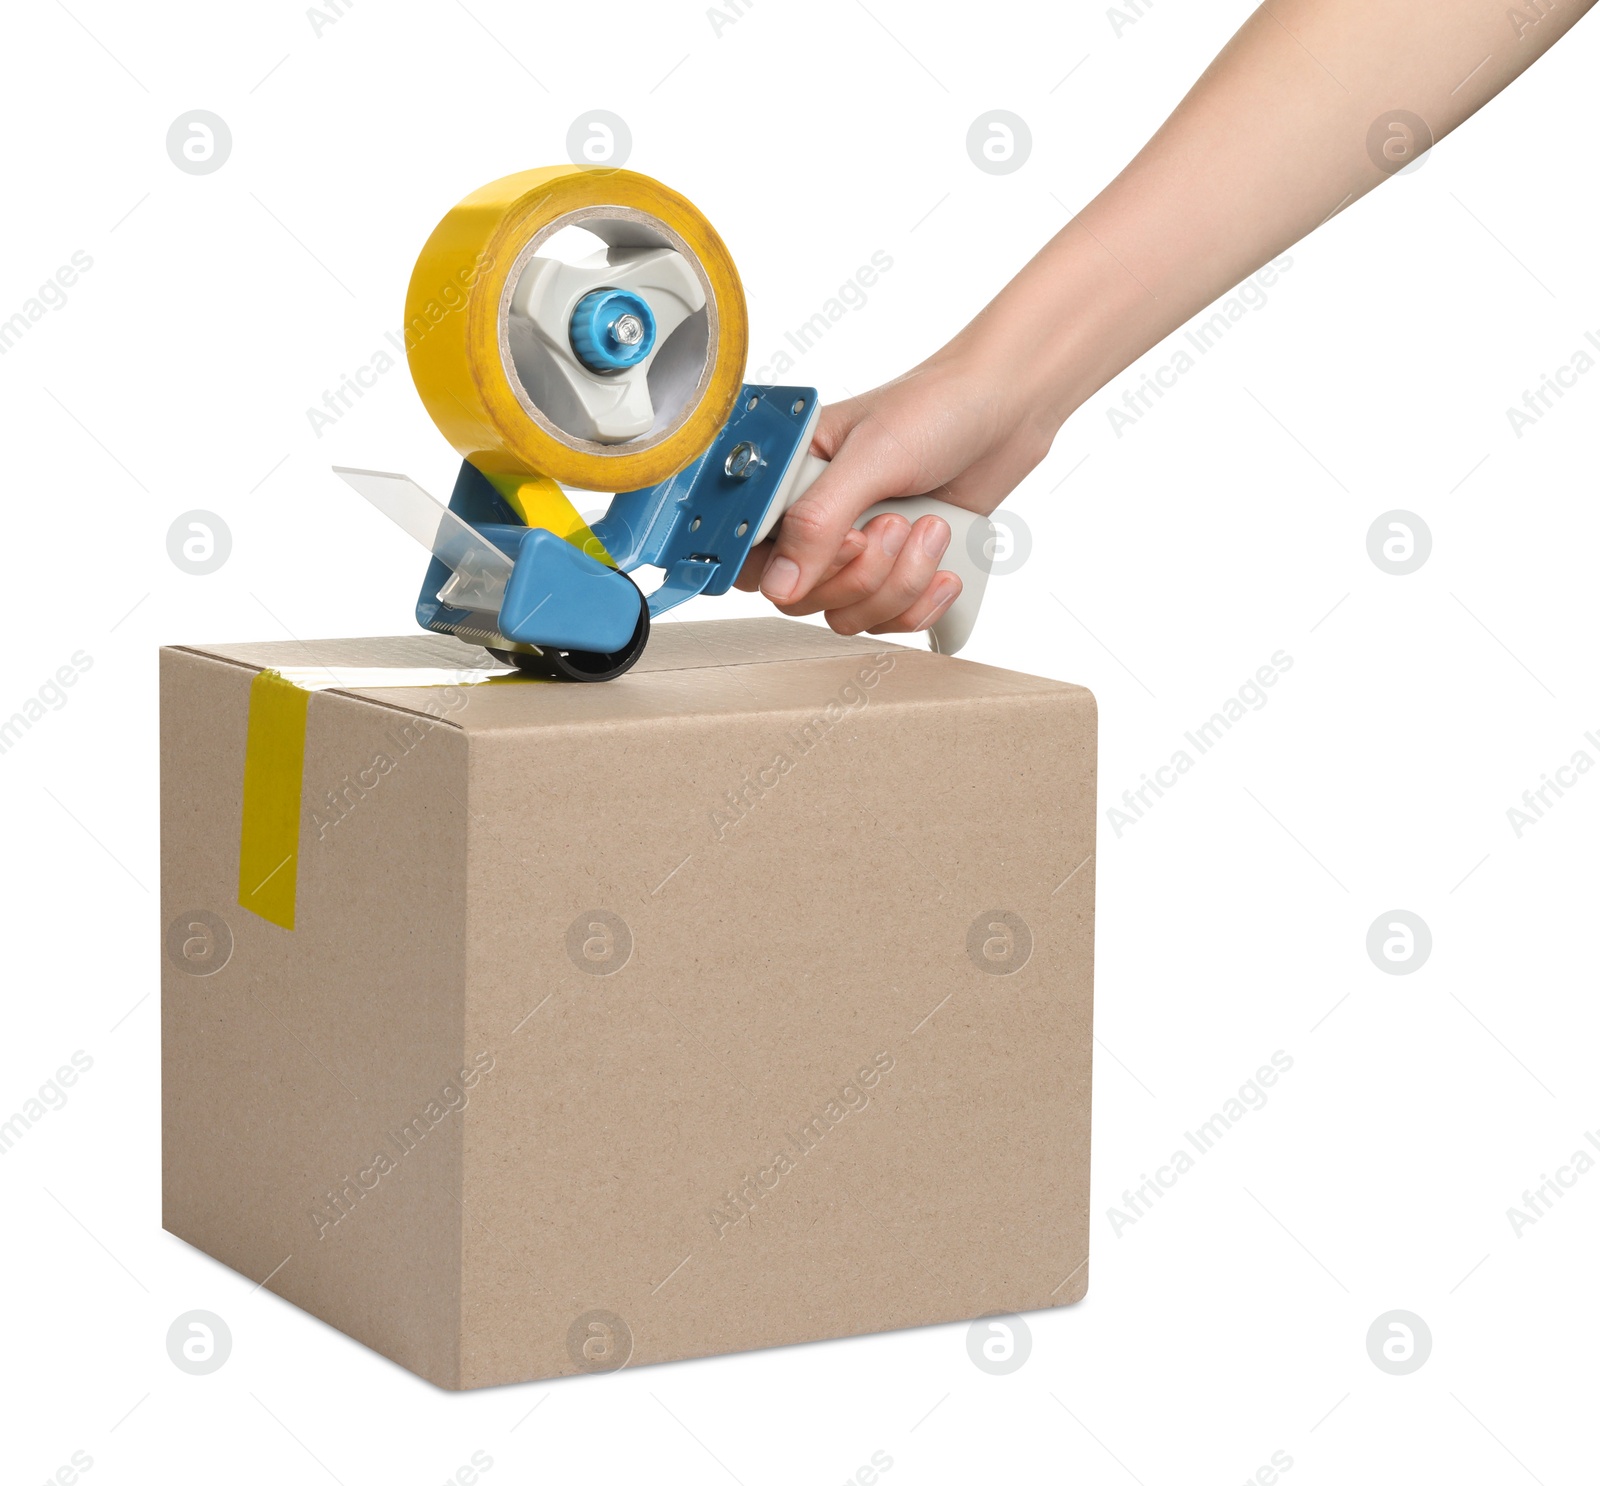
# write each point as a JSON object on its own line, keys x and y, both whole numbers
{"x": 612, "y": 329}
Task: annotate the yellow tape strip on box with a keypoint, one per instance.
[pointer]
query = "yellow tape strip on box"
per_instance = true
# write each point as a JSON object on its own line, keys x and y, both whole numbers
{"x": 274, "y": 767}
{"x": 269, "y": 829}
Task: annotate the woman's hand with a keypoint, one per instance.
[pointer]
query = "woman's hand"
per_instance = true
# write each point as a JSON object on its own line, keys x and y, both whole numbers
{"x": 947, "y": 429}
{"x": 1202, "y": 206}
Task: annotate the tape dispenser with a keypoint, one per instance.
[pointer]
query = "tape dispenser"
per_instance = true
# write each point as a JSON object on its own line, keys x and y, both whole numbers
{"x": 620, "y": 371}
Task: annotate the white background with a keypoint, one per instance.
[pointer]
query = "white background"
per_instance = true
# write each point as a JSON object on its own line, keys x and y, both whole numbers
{"x": 1228, "y": 524}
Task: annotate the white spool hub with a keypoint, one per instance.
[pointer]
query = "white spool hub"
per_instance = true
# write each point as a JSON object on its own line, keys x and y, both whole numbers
{"x": 609, "y": 407}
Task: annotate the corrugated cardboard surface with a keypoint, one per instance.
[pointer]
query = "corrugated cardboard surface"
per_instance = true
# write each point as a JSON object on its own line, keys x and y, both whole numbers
{"x": 801, "y": 1104}
{"x": 283, "y": 1071}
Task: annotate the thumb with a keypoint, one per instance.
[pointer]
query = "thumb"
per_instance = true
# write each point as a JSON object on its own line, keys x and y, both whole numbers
{"x": 834, "y": 424}
{"x": 863, "y": 469}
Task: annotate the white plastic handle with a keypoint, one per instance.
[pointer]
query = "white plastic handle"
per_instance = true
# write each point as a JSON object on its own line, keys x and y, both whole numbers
{"x": 969, "y": 555}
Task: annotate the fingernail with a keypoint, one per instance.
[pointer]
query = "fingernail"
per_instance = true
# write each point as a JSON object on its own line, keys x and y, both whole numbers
{"x": 895, "y": 538}
{"x": 932, "y": 619}
{"x": 779, "y": 580}
{"x": 935, "y": 539}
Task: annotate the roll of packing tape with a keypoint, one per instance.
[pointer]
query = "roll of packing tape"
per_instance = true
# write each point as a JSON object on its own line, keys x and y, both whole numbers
{"x": 495, "y": 388}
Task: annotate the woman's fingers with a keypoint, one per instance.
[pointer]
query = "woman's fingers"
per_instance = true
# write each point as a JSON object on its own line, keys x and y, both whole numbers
{"x": 872, "y": 583}
{"x": 904, "y": 586}
{"x": 882, "y": 539}
{"x": 867, "y": 468}
{"x": 749, "y": 579}
{"x": 942, "y": 592}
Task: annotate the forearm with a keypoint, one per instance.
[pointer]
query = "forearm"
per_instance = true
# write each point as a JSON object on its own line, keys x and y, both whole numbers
{"x": 1287, "y": 126}
{"x": 1270, "y": 142}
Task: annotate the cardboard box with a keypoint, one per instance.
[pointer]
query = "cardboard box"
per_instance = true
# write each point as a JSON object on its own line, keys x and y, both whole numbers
{"x": 744, "y": 1000}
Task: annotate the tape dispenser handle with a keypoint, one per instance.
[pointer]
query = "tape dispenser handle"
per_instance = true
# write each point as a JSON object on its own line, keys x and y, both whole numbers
{"x": 969, "y": 555}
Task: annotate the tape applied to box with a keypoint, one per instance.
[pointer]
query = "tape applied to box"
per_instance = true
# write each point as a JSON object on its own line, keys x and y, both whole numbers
{"x": 274, "y": 766}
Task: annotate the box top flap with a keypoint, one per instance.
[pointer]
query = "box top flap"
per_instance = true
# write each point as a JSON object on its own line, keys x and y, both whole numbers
{"x": 691, "y": 668}
{"x": 674, "y": 646}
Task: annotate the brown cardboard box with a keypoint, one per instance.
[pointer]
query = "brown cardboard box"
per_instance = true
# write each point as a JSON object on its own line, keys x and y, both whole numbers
{"x": 741, "y": 1001}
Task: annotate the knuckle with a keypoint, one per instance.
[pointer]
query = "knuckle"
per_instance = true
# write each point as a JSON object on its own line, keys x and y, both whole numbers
{"x": 879, "y": 607}
{"x": 805, "y": 524}
{"x": 905, "y": 587}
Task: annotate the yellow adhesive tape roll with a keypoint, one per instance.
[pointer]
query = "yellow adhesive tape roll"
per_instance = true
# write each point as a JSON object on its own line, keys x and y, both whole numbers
{"x": 457, "y": 308}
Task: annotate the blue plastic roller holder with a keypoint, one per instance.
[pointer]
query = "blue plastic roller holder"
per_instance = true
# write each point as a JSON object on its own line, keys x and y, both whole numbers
{"x": 698, "y": 527}
{"x": 561, "y": 598}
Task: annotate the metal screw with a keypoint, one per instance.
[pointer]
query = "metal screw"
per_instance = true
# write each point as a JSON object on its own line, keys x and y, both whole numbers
{"x": 743, "y": 461}
{"x": 629, "y": 330}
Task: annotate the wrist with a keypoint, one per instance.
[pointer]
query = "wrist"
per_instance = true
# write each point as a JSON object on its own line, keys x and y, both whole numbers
{"x": 1070, "y": 321}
